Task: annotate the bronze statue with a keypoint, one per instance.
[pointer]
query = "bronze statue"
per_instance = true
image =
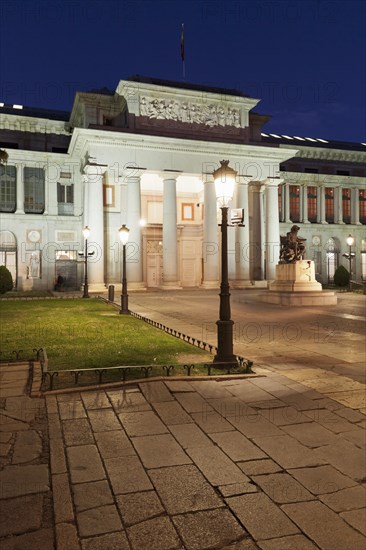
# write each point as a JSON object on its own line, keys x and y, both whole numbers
{"x": 292, "y": 247}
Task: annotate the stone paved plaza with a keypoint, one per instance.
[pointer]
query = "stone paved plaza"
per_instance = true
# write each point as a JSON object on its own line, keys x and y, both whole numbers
{"x": 273, "y": 462}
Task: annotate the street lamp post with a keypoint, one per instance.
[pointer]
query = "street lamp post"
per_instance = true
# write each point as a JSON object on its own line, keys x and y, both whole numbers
{"x": 86, "y": 233}
{"x": 350, "y": 241}
{"x": 224, "y": 178}
{"x": 123, "y": 235}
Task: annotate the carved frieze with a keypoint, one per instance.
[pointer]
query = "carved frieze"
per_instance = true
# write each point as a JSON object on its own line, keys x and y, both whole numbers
{"x": 211, "y": 115}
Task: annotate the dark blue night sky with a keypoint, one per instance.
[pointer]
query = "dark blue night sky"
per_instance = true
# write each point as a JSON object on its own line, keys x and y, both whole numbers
{"x": 304, "y": 59}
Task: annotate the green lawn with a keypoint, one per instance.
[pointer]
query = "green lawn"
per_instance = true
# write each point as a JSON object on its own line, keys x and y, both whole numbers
{"x": 87, "y": 334}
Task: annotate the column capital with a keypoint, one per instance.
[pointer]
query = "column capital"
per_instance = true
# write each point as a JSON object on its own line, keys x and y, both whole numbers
{"x": 274, "y": 181}
{"x": 92, "y": 170}
{"x": 170, "y": 174}
{"x": 132, "y": 173}
{"x": 257, "y": 186}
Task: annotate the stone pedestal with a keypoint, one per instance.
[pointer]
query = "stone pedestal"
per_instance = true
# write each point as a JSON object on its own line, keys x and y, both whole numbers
{"x": 295, "y": 285}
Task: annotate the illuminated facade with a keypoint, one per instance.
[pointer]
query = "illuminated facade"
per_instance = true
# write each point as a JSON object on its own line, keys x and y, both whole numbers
{"x": 144, "y": 156}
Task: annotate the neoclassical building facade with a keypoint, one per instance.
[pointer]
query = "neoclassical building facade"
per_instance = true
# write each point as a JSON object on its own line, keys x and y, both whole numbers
{"x": 144, "y": 156}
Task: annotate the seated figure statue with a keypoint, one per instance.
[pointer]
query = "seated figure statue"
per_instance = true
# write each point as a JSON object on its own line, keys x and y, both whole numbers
{"x": 292, "y": 247}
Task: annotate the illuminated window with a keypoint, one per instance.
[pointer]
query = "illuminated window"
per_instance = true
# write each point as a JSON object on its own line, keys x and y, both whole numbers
{"x": 8, "y": 188}
{"x": 346, "y": 205}
{"x": 34, "y": 199}
{"x": 65, "y": 199}
{"x": 362, "y": 206}
{"x": 312, "y": 193}
{"x": 295, "y": 203}
{"x": 329, "y": 204}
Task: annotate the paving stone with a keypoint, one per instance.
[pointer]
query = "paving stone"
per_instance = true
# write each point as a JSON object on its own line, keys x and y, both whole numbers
{"x": 113, "y": 541}
{"x": 311, "y": 434}
{"x": 158, "y": 533}
{"x": 155, "y": 392}
{"x": 66, "y": 537}
{"x": 19, "y": 515}
{"x": 5, "y": 448}
{"x": 193, "y": 402}
{"x": 324, "y": 526}
{"x": 51, "y": 404}
{"x": 216, "y": 466}
{"x": 346, "y": 499}
{"x": 250, "y": 393}
{"x": 37, "y": 540}
{"x": 179, "y": 386}
{"x": 356, "y": 436}
{"x": 77, "y": 432}
{"x": 71, "y": 409}
{"x": 137, "y": 507}
{"x": 142, "y": 423}
{"x": 23, "y": 480}
{"x": 287, "y": 543}
{"x": 54, "y": 426}
{"x": 339, "y": 456}
{"x": 62, "y": 503}
{"x": 330, "y": 420}
{"x": 8, "y": 424}
{"x": 298, "y": 400}
{"x": 231, "y": 407}
{"x": 157, "y": 451}
{"x": 258, "y": 467}
{"x": 68, "y": 397}
{"x": 98, "y": 521}
{"x": 350, "y": 414}
{"x": 85, "y": 464}
{"x": 237, "y": 446}
{"x": 190, "y": 435}
{"x": 322, "y": 479}
{"x": 212, "y": 422}
{"x": 184, "y": 489}
{"x": 95, "y": 400}
{"x": 284, "y": 416}
{"x": 208, "y": 529}
{"x": 57, "y": 456}
{"x": 261, "y": 517}
{"x": 114, "y": 444}
{"x": 355, "y": 399}
{"x": 255, "y": 425}
{"x": 172, "y": 413}
{"x": 103, "y": 420}
{"x": 91, "y": 495}
{"x": 5, "y": 437}
{"x": 244, "y": 544}
{"x": 24, "y": 408}
{"x": 210, "y": 389}
{"x": 124, "y": 401}
{"x": 282, "y": 488}
{"x": 356, "y": 518}
{"x": 27, "y": 447}
{"x": 237, "y": 489}
{"x": 127, "y": 475}
{"x": 287, "y": 451}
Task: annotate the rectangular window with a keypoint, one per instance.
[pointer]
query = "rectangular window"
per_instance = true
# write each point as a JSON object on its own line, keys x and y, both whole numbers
{"x": 108, "y": 195}
{"x": 312, "y": 197}
{"x": 295, "y": 203}
{"x": 346, "y": 205}
{"x": 65, "y": 199}
{"x": 8, "y": 188}
{"x": 329, "y": 205}
{"x": 34, "y": 182}
{"x": 362, "y": 206}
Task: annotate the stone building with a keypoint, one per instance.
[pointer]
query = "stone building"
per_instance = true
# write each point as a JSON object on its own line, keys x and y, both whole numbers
{"x": 144, "y": 156}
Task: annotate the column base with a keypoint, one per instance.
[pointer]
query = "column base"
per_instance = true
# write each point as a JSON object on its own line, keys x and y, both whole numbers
{"x": 241, "y": 283}
{"x": 211, "y": 284}
{"x": 174, "y": 285}
{"x": 260, "y": 284}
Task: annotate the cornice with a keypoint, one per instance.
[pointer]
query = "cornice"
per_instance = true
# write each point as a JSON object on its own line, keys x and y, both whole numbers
{"x": 32, "y": 124}
{"x": 322, "y": 153}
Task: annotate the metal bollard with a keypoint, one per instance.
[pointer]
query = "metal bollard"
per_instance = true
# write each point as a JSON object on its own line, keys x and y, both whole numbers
{"x": 111, "y": 293}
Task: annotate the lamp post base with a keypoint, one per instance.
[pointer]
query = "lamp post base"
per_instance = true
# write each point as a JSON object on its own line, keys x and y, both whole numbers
{"x": 225, "y": 343}
{"x": 124, "y": 305}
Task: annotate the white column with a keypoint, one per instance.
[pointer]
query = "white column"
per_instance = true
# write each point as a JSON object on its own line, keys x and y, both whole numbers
{"x": 286, "y": 193}
{"x": 355, "y": 206}
{"x": 321, "y": 204}
{"x": 231, "y": 240}
{"x": 242, "y": 236}
{"x": 257, "y": 256}
{"x": 20, "y": 188}
{"x": 133, "y": 218}
{"x": 272, "y": 228}
{"x": 338, "y": 205}
{"x": 304, "y": 192}
{"x": 51, "y": 204}
{"x": 210, "y": 245}
{"x": 170, "y": 236}
{"x": 94, "y": 218}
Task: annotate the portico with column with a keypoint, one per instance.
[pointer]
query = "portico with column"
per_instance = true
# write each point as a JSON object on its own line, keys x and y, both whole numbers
{"x": 94, "y": 219}
{"x": 134, "y": 252}
{"x": 170, "y": 234}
